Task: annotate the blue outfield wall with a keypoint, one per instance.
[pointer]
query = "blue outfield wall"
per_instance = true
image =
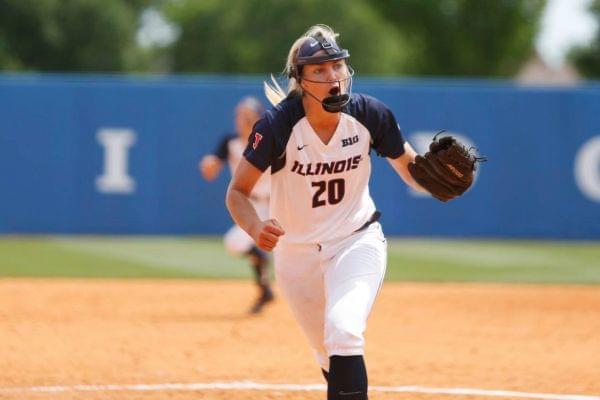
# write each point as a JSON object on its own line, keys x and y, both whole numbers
{"x": 108, "y": 154}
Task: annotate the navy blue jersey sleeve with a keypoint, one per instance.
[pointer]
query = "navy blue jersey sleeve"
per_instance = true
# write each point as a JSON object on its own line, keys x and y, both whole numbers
{"x": 260, "y": 150}
{"x": 222, "y": 149}
{"x": 386, "y": 136}
{"x": 270, "y": 135}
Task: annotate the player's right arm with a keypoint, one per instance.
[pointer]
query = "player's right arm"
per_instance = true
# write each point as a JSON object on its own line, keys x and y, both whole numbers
{"x": 265, "y": 233}
{"x": 258, "y": 157}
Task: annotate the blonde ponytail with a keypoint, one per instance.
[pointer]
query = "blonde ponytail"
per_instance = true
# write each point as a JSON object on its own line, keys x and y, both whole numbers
{"x": 273, "y": 91}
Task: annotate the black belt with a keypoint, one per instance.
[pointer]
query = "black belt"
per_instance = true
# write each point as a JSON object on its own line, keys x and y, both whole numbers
{"x": 374, "y": 218}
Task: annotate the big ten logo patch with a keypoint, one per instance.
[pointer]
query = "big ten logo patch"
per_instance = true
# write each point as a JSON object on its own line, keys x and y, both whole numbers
{"x": 350, "y": 141}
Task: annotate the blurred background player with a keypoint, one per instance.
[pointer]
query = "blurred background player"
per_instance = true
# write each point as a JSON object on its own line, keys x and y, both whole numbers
{"x": 230, "y": 150}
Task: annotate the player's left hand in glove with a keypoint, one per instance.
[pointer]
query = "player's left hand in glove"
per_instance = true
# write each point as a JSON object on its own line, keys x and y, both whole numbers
{"x": 446, "y": 170}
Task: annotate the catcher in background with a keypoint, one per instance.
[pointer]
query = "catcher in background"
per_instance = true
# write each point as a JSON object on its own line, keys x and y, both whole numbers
{"x": 329, "y": 249}
{"x": 230, "y": 150}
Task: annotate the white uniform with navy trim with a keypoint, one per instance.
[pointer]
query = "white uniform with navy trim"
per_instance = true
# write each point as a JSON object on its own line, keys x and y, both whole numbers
{"x": 230, "y": 150}
{"x": 325, "y": 193}
{"x": 328, "y": 265}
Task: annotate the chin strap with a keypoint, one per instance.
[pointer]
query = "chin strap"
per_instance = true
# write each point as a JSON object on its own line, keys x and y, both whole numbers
{"x": 332, "y": 104}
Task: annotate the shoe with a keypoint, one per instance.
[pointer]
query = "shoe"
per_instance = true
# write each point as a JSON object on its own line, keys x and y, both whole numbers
{"x": 264, "y": 299}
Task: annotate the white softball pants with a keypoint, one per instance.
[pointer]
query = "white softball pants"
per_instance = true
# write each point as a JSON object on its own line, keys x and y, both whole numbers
{"x": 331, "y": 288}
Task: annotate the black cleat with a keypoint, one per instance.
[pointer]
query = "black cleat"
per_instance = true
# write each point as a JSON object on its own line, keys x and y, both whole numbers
{"x": 263, "y": 300}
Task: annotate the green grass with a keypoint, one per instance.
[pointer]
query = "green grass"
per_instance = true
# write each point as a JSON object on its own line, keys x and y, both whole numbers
{"x": 494, "y": 261}
{"x": 202, "y": 257}
{"x": 119, "y": 257}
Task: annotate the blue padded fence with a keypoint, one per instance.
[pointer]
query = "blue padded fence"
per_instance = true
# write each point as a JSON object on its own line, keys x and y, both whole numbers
{"x": 109, "y": 154}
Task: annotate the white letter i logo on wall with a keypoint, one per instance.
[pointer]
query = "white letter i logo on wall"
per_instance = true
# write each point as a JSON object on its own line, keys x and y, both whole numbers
{"x": 116, "y": 143}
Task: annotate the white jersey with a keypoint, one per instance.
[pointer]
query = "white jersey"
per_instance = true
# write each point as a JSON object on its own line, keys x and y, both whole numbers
{"x": 230, "y": 150}
{"x": 320, "y": 192}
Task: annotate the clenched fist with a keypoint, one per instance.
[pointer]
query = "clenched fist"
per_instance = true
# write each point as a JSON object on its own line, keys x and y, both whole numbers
{"x": 266, "y": 234}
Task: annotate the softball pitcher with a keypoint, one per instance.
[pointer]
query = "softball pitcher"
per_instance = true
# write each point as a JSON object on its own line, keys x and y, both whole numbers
{"x": 230, "y": 150}
{"x": 329, "y": 248}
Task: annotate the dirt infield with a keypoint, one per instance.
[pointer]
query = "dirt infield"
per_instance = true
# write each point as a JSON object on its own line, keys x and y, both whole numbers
{"x": 535, "y": 339}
